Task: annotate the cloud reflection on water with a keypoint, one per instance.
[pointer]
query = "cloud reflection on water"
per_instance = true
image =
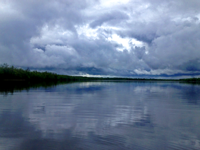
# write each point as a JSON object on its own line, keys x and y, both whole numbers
{"x": 124, "y": 115}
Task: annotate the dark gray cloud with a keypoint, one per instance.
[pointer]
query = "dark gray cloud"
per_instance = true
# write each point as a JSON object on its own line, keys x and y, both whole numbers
{"x": 146, "y": 37}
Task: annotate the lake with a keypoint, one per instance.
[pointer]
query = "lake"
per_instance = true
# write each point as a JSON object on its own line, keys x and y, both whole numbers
{"x": 102, "y": 116}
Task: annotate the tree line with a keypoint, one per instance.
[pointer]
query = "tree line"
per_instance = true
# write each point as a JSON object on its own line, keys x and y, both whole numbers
{"x": 12, "y": 73}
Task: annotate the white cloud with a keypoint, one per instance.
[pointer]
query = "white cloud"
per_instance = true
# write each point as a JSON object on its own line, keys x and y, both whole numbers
{"x": 86, "y": 31}
{"x": 111, "y": 3}
{"x": 127, "y": 43}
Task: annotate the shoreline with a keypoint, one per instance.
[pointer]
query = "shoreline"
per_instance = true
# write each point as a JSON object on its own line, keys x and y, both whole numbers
{"x": 12, "y": 74}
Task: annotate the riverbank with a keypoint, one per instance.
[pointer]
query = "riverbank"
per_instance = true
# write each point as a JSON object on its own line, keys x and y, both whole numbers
{"x": 12, "y": 74}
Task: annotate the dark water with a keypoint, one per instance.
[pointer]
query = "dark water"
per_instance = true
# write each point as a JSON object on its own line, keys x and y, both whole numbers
{"x": 102, "y": 116}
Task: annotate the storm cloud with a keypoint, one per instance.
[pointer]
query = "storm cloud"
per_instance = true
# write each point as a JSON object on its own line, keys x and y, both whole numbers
{"x": 101, "y": 37}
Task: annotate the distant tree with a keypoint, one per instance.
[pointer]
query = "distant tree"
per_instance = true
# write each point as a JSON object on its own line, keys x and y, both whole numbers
{"x": 5, "y": 65}
{"x": 27, "y": 69}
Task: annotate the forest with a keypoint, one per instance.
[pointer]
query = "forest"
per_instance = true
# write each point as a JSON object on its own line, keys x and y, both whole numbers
{"x": 11, "y": 73}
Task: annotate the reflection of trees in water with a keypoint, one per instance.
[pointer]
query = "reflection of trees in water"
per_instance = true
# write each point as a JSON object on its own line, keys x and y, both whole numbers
{"x": 11, "y": 87}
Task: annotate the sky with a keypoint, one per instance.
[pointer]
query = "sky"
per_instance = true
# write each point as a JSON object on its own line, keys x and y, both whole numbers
{"x": 129, "y": 38}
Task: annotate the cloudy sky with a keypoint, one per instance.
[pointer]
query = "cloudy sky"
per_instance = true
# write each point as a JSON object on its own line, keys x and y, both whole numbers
{"x": 134, "y": 38}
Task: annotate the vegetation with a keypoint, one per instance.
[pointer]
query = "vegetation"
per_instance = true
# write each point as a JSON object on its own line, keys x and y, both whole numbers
{"x": 191, "y": 80}
{"x": 10, "y": 73}
{"x": 35, "y": 79}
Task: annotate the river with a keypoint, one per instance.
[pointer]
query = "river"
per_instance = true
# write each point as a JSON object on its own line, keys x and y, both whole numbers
{"x": 102, "y": 116}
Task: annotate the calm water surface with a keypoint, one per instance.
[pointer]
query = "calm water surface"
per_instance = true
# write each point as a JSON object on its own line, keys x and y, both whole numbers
{"x": 102, "y": 116}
